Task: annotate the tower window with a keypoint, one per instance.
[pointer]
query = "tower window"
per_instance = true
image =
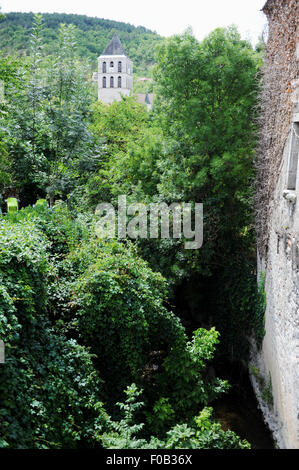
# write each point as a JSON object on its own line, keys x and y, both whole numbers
{"x": 104, "y": 82}
{"x": 119, "y": 82}
{"x": 112, "y": 64}
{"x": 119, "y": 67}
{"x": 111, "y": 82}
{"x": 293, "y": 157}
{"x": 104, "y": 67}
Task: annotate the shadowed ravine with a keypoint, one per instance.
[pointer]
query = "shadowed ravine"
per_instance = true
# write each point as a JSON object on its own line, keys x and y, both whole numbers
{"x": 238, "y": 411}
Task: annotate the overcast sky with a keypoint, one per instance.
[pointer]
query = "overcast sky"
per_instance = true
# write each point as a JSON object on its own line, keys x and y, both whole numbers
{"x": 167, "y": 17}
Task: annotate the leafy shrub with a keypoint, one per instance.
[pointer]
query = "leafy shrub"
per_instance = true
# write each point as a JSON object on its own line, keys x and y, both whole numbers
{"x": 118, "y": 310}
{"x": 202, "y": 433}
{"x": 48, "y": 385}
{"x": 50, "y": 394}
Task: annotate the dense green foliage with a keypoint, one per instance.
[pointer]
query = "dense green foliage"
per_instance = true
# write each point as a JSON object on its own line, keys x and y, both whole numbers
{"x": 45, "y": 121}
{"x": 48, "y": 384}
{"x": 71, "y": 307}
{"x": 83, "y": 318}
{"x": 197, "y": 145}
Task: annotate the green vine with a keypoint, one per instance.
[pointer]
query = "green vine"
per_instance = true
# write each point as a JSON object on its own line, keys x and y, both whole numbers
{"x": 260, "y": 308}
{"x": 266, "y": 387}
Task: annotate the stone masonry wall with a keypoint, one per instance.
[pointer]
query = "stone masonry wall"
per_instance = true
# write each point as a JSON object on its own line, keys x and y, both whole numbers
{"x": 279, "y": 83}
{"x": 276, "y": 366}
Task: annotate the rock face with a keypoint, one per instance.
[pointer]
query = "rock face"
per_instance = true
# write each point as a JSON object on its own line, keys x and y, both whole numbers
{"x": 276, "y": 366}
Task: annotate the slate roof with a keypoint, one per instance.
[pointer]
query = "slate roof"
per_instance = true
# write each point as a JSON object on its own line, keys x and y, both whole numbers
{"x": 114, "y": 47}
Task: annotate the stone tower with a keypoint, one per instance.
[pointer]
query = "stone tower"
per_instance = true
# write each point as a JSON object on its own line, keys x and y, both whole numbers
{"x": 115, "y": 72}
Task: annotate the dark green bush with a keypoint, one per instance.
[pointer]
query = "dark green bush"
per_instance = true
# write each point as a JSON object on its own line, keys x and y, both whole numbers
{"x": 48, "y": 386}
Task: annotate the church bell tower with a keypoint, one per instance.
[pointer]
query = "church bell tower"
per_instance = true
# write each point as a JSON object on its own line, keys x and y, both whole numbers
{"x": 115, "y": 72}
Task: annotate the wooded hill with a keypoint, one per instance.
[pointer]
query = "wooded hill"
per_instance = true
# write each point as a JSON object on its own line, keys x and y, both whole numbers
{"x": 92, "y": 36}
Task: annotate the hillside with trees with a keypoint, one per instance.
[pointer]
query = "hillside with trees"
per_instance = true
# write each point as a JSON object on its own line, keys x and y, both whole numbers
{"x": 91, "y": 36}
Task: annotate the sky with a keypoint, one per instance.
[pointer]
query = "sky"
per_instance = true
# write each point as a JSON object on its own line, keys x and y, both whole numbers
{"x": 166, "y": 17}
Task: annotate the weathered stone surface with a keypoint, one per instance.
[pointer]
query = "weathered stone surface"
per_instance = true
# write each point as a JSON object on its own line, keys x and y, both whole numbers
{"x": 279, "y": 357}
